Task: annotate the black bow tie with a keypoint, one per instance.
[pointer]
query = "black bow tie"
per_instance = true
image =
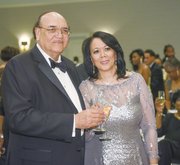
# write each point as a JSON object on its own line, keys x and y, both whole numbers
{"x": 61, "y": 65}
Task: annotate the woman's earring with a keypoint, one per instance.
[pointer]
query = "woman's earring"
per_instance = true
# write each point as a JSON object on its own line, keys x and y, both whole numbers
{"x": 115, "y": 62}
{"x": 141, "y": 60}
{"x": 93, "y": 69}
{"x": 178, "y": 72}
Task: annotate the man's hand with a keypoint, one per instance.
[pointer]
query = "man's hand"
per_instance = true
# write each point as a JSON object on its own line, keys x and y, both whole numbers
{"x": 89, "y": 118}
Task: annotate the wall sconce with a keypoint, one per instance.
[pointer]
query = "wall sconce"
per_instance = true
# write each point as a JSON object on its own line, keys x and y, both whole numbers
{"x": 23, "y": 46}
{"x": 24, "y": 43}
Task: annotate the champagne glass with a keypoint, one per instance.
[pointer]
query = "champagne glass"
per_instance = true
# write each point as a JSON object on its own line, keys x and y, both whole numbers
{"x": 161, "y": 97}
{"x": 107, "y": 110}
{"x": 99, "y": 129}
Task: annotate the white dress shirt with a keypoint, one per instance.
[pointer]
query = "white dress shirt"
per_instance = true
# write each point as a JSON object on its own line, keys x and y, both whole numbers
{"x": 66, "y": 83}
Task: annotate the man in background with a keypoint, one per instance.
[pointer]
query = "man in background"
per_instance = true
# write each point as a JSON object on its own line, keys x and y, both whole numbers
{"x": 7, "y": 53}
{"x": 157, "y": 82}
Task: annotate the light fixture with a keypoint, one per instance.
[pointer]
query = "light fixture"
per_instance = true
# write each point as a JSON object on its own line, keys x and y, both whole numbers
{"x": 24, "y": 43}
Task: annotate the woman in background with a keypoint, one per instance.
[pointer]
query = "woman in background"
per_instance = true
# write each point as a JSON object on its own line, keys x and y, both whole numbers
{"x": 169, "y": 126}
{"x": 136, "y": 58}
{"x": 131, "y": 101}
{"x": 172, "y": 67}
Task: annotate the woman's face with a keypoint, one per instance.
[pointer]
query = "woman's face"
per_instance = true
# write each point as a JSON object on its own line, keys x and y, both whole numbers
{"x": 136, "y": 59}
{"x": 172, "y": 72}
{"x": 102, "y": 56}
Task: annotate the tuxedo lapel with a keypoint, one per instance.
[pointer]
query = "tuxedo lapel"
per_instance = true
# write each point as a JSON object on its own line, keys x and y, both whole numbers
{"x": 47, "y": 71}
{"x": 52, "y": 77}
{"x": 73, "y": 76}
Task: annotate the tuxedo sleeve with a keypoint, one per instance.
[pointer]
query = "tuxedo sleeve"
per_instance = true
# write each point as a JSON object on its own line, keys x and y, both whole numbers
{"x": 22, "y": 114}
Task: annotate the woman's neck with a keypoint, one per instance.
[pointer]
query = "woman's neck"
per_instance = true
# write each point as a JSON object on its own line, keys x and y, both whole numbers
{"x": 107, "y": 77}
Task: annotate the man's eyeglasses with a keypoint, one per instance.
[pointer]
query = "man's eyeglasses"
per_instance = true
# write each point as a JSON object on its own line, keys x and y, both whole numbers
{"x": 54, "y": 30}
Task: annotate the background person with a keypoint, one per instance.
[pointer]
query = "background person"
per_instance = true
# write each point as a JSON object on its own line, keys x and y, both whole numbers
{"x": 169, "y": 126}
{"x": 7, "y": 53}
{"x": 137, "y": 61}
{"x": 172, "y": 68}
{"x": 157, "y": 82}
{"x": 169, "y": 52}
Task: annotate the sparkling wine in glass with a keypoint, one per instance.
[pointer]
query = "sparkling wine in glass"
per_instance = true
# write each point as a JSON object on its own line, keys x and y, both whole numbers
{"x": 161, "y": 97}
{"x": 99, "y": 129}
{"x": 107, "y": 110}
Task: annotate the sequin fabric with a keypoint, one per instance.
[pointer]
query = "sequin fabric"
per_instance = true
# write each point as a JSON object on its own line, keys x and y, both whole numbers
{"x": 131, "y": 125}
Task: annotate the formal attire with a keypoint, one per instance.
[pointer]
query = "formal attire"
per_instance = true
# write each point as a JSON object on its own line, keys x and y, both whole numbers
{"x": 169, "y": 147}
{"x": 132, "y": 113}
{"x": 82, "y": 72}
{"x": 156, "y": 81}
{"x": 40, "y": 112}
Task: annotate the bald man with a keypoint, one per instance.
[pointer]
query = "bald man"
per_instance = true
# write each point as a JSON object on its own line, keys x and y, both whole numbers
{"x": 43, "y": 105}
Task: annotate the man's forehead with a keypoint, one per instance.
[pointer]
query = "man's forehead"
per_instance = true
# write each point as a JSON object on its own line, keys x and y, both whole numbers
{"x": 52, "y": 16}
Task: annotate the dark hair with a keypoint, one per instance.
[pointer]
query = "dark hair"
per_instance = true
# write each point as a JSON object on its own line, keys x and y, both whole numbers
{"x": 140, "y": 53}
{"x": 158, "y": 56}
{"x": 110, "y": 41}
{"x": 8, "y": 52}
{"x": 173, "y": 63}
{"x": 176, "y": 96}
{"x": 167, "y": 46}
{"x": 151, "y": 52}
{"x": 75, "y": 58}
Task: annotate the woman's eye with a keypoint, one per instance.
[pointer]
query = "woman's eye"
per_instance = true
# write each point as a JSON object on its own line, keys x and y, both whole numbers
{"x": 96, "y": 51}
{"x": 107, "y": 48}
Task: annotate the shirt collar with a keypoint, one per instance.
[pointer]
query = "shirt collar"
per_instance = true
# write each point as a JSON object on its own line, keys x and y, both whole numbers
{"x": 46, "y": 56}
{"x": 151, "y": 64}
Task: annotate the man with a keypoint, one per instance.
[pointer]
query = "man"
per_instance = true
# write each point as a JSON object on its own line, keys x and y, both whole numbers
{"x": 42, "y": 102}
{"x": 156, "y": 83}
{"x": 169, "y": 52}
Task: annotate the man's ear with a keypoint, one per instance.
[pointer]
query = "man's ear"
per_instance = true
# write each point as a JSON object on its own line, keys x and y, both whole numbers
{"x": 37, "y": 33}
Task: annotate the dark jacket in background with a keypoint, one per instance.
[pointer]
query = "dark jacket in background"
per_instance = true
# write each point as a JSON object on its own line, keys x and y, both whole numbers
{"x": 157, "y": 82}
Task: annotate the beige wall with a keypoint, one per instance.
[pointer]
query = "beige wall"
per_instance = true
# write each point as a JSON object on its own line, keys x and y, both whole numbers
{"x": 136, "y": 23}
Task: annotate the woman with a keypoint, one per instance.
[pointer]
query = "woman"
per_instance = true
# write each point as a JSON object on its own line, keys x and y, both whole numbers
{"x": 172, "y": 67}
{"x": 130, "y": 99}
{"x": 136, "y": 58}
{"x": 169, "y": 147}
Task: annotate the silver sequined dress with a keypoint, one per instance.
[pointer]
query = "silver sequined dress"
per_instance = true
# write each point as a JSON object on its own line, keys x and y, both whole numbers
{"x": 131, "y": 125}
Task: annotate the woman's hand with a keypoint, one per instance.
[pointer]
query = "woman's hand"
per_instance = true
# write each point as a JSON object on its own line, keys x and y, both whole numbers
{"x": 159, "y": 106}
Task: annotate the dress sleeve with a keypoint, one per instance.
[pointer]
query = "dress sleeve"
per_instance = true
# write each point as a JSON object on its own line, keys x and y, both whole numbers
{"x": 85, "y": 93}
{"x": 148, "y": 124}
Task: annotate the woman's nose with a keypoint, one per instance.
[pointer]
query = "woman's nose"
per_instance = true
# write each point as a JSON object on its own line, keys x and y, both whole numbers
{"x": 103, "y": 53}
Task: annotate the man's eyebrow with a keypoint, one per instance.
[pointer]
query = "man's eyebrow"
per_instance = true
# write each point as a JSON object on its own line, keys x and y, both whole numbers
{"x": 51, "y": 26}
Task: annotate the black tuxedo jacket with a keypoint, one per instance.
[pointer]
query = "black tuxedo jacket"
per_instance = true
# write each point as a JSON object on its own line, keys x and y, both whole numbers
{"x": 157, "y": 82}
{"x": 40, "y": 113}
